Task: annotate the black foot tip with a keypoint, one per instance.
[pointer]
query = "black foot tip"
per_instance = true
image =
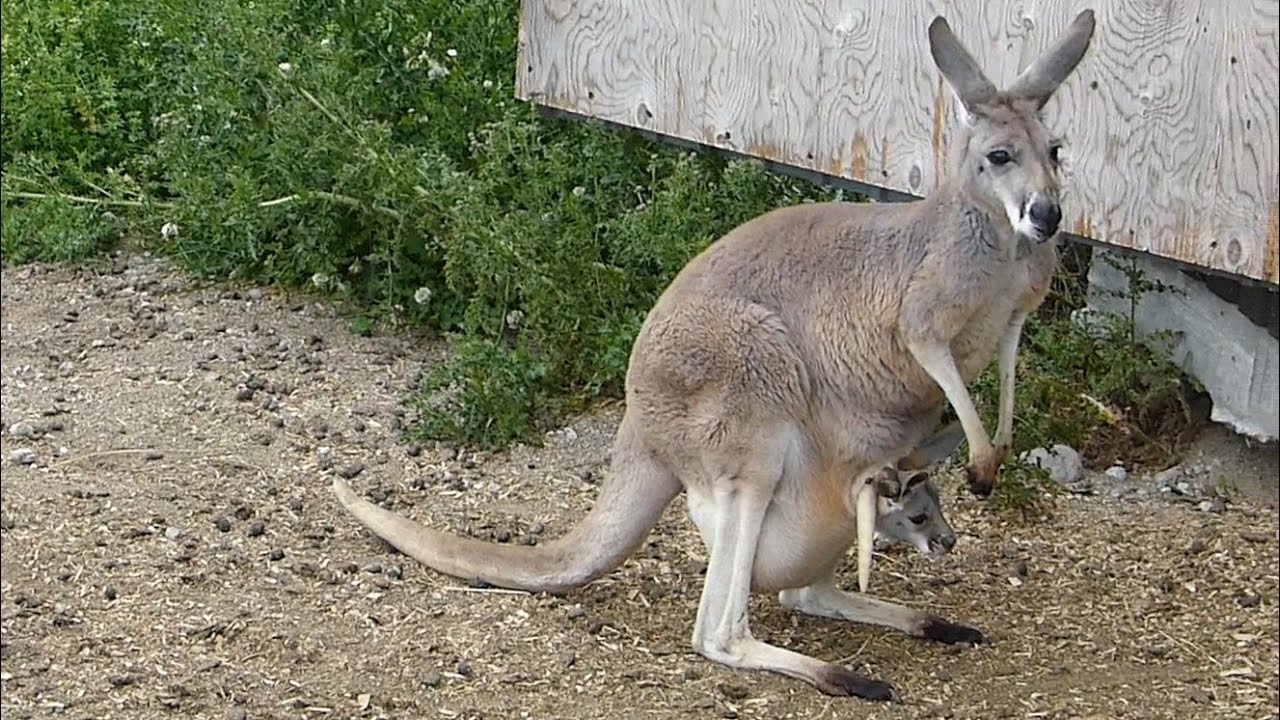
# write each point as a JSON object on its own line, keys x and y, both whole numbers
{"x": 846, "y": 683}
{"x": 951, "y": 633}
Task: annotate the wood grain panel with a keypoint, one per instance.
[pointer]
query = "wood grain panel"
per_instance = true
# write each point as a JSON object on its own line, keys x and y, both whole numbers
{"x": 1171, "y": 119}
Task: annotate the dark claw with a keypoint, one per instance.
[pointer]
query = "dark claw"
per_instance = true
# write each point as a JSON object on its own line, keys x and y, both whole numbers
{"x": 846, "y": 683}
{"x": 935, "y": 628}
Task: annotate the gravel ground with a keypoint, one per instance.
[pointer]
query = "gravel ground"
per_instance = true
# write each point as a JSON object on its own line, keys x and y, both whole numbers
{"x": 171, "y": 549}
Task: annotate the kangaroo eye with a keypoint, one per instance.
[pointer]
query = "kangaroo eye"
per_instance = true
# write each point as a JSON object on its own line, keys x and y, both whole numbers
{"x": 1053, "y": 153}
{"x": 999, "y": 157}
{"x": 918, "y": 519}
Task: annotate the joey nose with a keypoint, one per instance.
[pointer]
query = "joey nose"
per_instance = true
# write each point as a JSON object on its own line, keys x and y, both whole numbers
{"x": 948, "y": 542}
{"x": 1045, "y": 215}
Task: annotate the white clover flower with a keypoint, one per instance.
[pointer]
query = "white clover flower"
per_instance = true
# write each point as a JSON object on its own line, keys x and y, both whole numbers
{"x": 326, "y": 44}
{"x": 168, "y": 231}
{"x": 435, "y": 70}
{"x": 319, "y": 280}
{"x": 579, "y": 191}
{"x": 514, "y": 319}
{"x": 286, "y": 69}
{"x": 487, "y": 84}
{"x": 451, "y": 53}
{"x": 422, "y": 295}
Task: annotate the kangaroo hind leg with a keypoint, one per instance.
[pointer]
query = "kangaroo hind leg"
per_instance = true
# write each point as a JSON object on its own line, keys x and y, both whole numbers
{"x": 731, "y": 510}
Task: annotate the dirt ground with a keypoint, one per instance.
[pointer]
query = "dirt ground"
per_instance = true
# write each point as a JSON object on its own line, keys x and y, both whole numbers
{"x": 171, "y": 549}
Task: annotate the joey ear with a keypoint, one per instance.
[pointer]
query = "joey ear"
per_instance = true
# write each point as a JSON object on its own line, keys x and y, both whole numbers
{"x": 887, "y": 484}
{"x": 1039, "y": 81}
{"x": 935, "y": 449}
{"x": 917, "y": 478}
{"x": 959, "y": 68}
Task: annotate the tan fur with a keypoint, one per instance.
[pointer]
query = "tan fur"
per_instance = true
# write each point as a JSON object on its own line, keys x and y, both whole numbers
{"x": 797, "y": 356}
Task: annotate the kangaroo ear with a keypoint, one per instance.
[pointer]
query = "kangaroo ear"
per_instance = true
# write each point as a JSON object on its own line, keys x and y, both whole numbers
{"x": 935, "y": 449}
{"x": 1039, "y": 81}
{"x": 958, "y": 66}
{"x": 916, "y": 478}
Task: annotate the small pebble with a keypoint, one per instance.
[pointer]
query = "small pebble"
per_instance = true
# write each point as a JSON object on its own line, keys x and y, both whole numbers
{"x": 223, "y": 523}
{"x": 153, "y": 455}
{"x": 502, "y": 535}
{"x": 1248, "y": 599}
{"x": 256, "y": 528}
{"x": 568, "y": 659}
{"x": 464, "y": 668}
{"x": 276, "y": 554}
{"x": 109, "y": 592}
{"x": 537, "y": 528}
{"x": 575, "y": 612}
{"x": 172, "y": 533}
{"x": 295, "y": 504}
{"x": 244, "y": 394}
{"x": 235, "y": 712}
{"x": 395, "y": 572}
{"x": 1117, "y": 473}
{"x": 352, "y": 470}
{"x": 23, "y": 456}
{"x": 432, "y": 679}
{"x": 413, "y": 450}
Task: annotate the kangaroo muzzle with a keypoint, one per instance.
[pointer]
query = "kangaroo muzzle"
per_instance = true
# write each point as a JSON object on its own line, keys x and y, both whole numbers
{"x": 1044, "y": 215}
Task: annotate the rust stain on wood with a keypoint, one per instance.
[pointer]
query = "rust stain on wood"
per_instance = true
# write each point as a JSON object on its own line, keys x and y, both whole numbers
{"x": 859, "y": 150}
{"x": 1084, "y": 227}
{"x": 835, "y": 166}
{"x": 1271, "y": 256}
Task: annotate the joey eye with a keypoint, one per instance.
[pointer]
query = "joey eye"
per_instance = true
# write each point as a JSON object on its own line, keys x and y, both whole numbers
{"x": 918, "y": 519}
{"x": 999, "y": 157}
{"x": 1054, "y": 151}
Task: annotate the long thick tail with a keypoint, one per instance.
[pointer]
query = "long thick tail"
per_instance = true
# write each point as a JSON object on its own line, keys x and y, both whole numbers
{"x": 631, "y": 500}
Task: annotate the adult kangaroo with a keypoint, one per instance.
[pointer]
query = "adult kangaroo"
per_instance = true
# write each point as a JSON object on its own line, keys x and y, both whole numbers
{"x": 797, "y": 356}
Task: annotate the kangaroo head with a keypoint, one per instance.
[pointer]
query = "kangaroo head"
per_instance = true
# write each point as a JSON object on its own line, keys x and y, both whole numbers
{"x": 1007, "y": 159}
{"x": 909, "y": 508}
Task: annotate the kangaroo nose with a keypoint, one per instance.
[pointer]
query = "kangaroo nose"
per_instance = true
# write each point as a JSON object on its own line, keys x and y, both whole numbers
{"x": 1045, "y": 215}
{"x": 948, "y": 542}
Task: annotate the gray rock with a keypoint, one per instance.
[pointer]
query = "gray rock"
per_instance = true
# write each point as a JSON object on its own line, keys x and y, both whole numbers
{"x": 1216, "y": 505}
{"x": 22, "y": 429}
{"x": 1062, "y": 463}
{"x": 23, "y": 456}
{"x": 1117, "y": 473}
{"x": 172, "y": 533}
{"x": 1168, "y": 478}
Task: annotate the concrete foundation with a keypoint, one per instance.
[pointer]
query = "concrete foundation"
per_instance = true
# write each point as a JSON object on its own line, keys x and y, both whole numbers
{"x": 1222, "y": 333}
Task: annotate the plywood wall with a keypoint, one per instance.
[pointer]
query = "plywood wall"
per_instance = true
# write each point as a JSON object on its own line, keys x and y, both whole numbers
{"x": 1171, "y": 119}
